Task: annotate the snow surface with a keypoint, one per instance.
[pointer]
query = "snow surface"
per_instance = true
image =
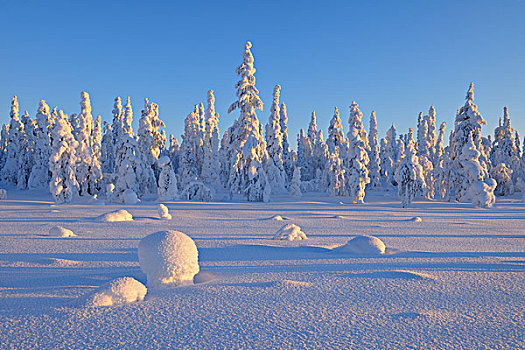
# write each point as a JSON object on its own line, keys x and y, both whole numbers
{"x": 364, "y": 245}
{"x": 115, "y": 216}
{"x": 290, "y": 232}
{"x": 456, "y": 282}
{"x": 168, "y": 258}
{"x": 120, "y": 291}
{"x": 59, "y": 231}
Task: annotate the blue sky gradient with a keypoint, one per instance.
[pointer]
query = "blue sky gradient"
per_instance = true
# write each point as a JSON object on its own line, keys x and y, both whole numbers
{"x": 395, "y": 57}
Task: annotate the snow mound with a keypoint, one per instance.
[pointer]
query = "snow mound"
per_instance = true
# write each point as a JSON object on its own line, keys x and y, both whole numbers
{"x": 168, "y": 258}
{"x": 3, "y": 194}
{"x": 364, "y": 245}
{"x": 120, "y": 291}
{"x": 59, "y": 231}
{"x": 290, "y": 232}
{"x": 416, "y": 219}
{"x": 164, "y": 212}
{"x": 116, "y": 216}
{"x": 338, "y": 217}
{"x": 130, "y": 197}
{"x": 277, "y": 218}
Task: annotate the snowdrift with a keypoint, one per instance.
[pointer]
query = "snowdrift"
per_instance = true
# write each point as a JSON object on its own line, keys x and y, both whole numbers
{"x": 290, "y": 232}
{"x": 363, "y": 245}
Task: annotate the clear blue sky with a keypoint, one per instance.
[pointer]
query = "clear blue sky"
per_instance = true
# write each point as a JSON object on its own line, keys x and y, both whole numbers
{"x": 395, "y": 57}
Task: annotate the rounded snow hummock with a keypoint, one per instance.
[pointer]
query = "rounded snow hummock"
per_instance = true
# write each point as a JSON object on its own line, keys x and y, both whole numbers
{"x": 416, "y": 219}
{"x": 290, "y": 232}
{"x": 115, "y": 216}
{"x": 130, "y": 197}
{"x": 168, "y": 258}
{"x": 120, "y": 291}
{"x": 164, "y": 212}
{"x": 364, "y": 245}
{"x": 59, "y": 231}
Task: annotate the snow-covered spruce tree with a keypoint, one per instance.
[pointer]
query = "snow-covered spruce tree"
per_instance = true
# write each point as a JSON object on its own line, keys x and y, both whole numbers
{"x": 374, "y": 166}
{"x": 441, "y": 176}
{"x": 424, "y": 153}
{"x": 317, "y": 154}
{"x": 95, "y": 175}
{"x": 191, "y": 144}
{"x": 503, "y": 176}
{"x": 468, "y": 121}
{"x": 336, "y": 138}
{"x": 295, "y": 185}
{"x": 248, "y": 149}
{"x": 174, "y": 153}
{"x": 304, "y": 153}
{"x": 356, "y": 171}
{"x": 62, "y": 162}
{"x": 4, "y": 136}
{"x": 87, "y": 176}
{"x": 149, "y": 149}
{"x": 336, "y": 176}
{"x": 129, "y": 169}
{"x": 107, "y": 153}
{"x": 409, "y": 174}
{"x": 26, "y": 158}
{"x": 386, "y": 164}
{"x": 320, "y": 155}
{"x": 15, "y": 145}
{"x": 392, "y": 151}
{"x": 431, "y": 139}
{"x": 210, "y": 173}
{"x": 288, "y": 162}
{"x": 506, "y": 151}
{"x": 480, "y": 188}
{"x": 274, "y": 145}
{"x": 40, "y": 175}
{"x": 167, "y": 189}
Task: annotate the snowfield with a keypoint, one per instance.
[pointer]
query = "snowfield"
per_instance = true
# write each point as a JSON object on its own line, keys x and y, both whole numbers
{"x": 454, "y": 280}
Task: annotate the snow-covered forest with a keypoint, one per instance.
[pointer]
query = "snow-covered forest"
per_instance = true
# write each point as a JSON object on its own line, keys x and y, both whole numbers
{"x": 81, "y": 156}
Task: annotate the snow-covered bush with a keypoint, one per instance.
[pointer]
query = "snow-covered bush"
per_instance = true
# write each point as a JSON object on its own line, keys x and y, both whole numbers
{"x": 482, "y": 193}
{"x": 115, "y": 216}
{"x": 163, "y": 212}
{"x": 123, "y": 290}
{"x": 59, "y": 231}
{"x": 168, "y": 258}
{"x": 198, "y": 190}
{"x": 290, "y": 232}
{"x": 364, "y": 245}
{"x": 3, "y": 194}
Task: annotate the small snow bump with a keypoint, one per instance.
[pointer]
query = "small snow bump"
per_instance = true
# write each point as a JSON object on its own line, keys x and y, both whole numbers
{"x": 120, "y": 291}
{"x": 115, "y": 216}
{"x": 290, "y": 232}
{"x": 416, "y": 219}
{"x": 364, "y": 245}
{"x": 61, "y": 232}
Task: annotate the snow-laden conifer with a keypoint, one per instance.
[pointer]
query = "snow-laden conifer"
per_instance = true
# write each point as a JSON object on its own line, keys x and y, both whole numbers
{"x": 149, "y": 149}
{"x": 62, "y": 162}
{"x": 295, "y": 185}
{"x": 357, "y": 157}
{"x": 211, "y": 167}
{"x": 248, "y": 147}
{"x": 336, "y": 176}
{"x": 40, "y": 175}
{"x": 4, "y": 136}
{"x": 15, "y": 145}
{"x": 336, "y": 138}
{"x": 505, "y": 151}
{"x": 468, "y": 123}
{"x": 107, "y": 150}
{"x": 479, "y": 186}
{"x": 191, "y": 144}
{"x": 167, "y": 189}
{"x": 374, "y": 166}
{"x": 409, "y": 174}
{"x": 386, "y": 164}
{"x": 26, "y": 158}
{"x": 174, "y": 153}
{"x": 274, "y": 145}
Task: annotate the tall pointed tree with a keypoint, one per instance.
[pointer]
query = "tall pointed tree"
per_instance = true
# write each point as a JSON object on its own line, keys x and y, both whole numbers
{"x": 274, "y": 144}
{"x": 374, "y": 166}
